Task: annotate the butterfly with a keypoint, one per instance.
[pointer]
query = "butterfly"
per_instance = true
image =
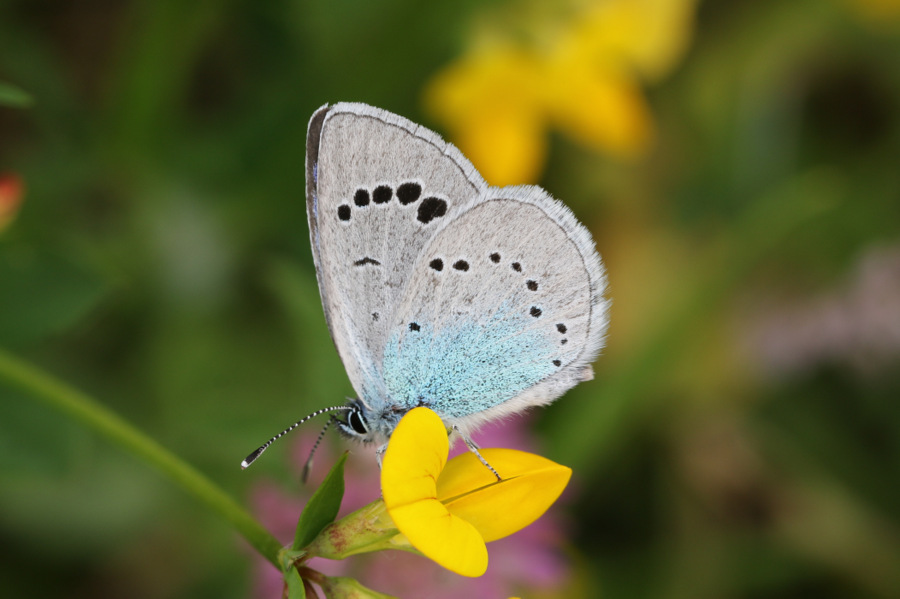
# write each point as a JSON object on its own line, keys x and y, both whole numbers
{"x": 439, "y": 290}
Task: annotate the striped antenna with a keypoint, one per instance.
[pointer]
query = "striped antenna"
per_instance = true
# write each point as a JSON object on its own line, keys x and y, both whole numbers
{"x": 307, "y": 467}
{"x": 253, "y": 456}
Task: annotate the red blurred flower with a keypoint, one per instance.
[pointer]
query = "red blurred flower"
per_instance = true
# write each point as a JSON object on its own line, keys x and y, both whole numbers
{"x": 12, "y": 190}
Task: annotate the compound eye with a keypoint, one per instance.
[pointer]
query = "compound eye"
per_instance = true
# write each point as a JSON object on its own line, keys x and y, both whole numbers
{"x": 357, "y": 423}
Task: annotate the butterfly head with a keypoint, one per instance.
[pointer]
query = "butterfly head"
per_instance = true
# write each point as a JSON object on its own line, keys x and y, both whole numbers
{"x": 362, "y": 424}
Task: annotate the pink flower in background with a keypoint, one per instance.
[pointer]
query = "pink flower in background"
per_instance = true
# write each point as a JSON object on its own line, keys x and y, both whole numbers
{"x": 532, "y": 559}
{"x": 856, "y": 323}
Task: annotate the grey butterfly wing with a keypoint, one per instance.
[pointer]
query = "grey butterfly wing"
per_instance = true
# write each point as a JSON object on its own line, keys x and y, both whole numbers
{"x": 504, "y": 310}
{"x": 378, "y": 189}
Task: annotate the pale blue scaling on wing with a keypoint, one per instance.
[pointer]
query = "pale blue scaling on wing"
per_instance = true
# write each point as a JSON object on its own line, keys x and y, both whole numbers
{"x": 468, "y": 366}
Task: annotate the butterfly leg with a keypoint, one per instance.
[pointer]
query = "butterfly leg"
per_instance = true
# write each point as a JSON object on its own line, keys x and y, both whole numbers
{"x": 379, "y": 454}
{"x": 474, "y": 449}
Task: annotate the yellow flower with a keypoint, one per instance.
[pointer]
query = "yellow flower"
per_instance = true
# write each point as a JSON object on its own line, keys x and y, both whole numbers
{"x": 583, "y": 78}
{"x": 877, "y": 11}
{"x": 448, "y": 511}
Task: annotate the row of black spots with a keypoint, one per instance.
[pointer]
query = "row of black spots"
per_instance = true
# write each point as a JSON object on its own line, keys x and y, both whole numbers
{"x": 406, "y": 193}
{"x": 560, "y": 327}
{"x": 531, "y": 284}
{"x": 438, "y": 265}
{"x": 495, "y": 258}
{"x": 534, "y": 311}
{"x": 516, "y": 266}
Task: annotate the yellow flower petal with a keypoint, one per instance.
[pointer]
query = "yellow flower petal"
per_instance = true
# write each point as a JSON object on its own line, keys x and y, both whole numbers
{"x": 650, "y": 36}
{"x": 448, "y": 511}
{"x": 490, "y": 102}
{"x": 414, "y": 458}
{"x": 583, "y": 77}
{"x": 507, "y": 146}
{"x": 877, "y": 10}
{"x": 442, "y": 537}
{"x": 495, "y": 76}
{"x": 495, "y": 508}
{"x": 599, "y": 105}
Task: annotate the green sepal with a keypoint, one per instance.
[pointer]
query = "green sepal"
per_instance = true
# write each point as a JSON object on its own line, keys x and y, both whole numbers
{"x": 348, "y": 588}
{"x": 295, "y": 586}
{"x": 322, "y": 508}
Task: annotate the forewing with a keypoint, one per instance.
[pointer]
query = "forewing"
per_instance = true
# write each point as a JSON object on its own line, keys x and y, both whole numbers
{"x": 378, "y": 189}
{"x": 504, "y": 310}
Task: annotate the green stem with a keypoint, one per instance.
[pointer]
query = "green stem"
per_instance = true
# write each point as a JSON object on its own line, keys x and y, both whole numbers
{"x": 41, "y": 385}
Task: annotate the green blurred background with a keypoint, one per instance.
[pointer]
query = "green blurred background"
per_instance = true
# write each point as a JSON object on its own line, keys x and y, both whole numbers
{"x": 742, "y": 436}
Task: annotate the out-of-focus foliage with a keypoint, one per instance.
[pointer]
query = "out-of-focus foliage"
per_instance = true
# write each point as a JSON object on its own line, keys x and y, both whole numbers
{"x": 742, "y": 436}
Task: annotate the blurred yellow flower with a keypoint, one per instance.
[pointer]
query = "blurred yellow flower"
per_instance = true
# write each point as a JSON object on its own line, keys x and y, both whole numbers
{"x": 12, "y": 190}
{"x": 584, "y": 78}
{"x": 877, "y": 10}
{"x": 449, "y": 510}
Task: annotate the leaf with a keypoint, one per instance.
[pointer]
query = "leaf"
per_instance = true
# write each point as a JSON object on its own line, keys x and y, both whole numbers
{"x": 323, "y": 506}
{"x": 292, "y": 579}
{"x": 11, "y": 95}
{"x": 41, "y": 294}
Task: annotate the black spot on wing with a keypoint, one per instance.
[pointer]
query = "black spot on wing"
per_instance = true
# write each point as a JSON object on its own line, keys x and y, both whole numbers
{"x": 367, "y": 260}
{"x": 408, "y": 192}
{"x": 361, "y": 197}
{"x": 430, "y": 209}
{"x": 382, "y": 194}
